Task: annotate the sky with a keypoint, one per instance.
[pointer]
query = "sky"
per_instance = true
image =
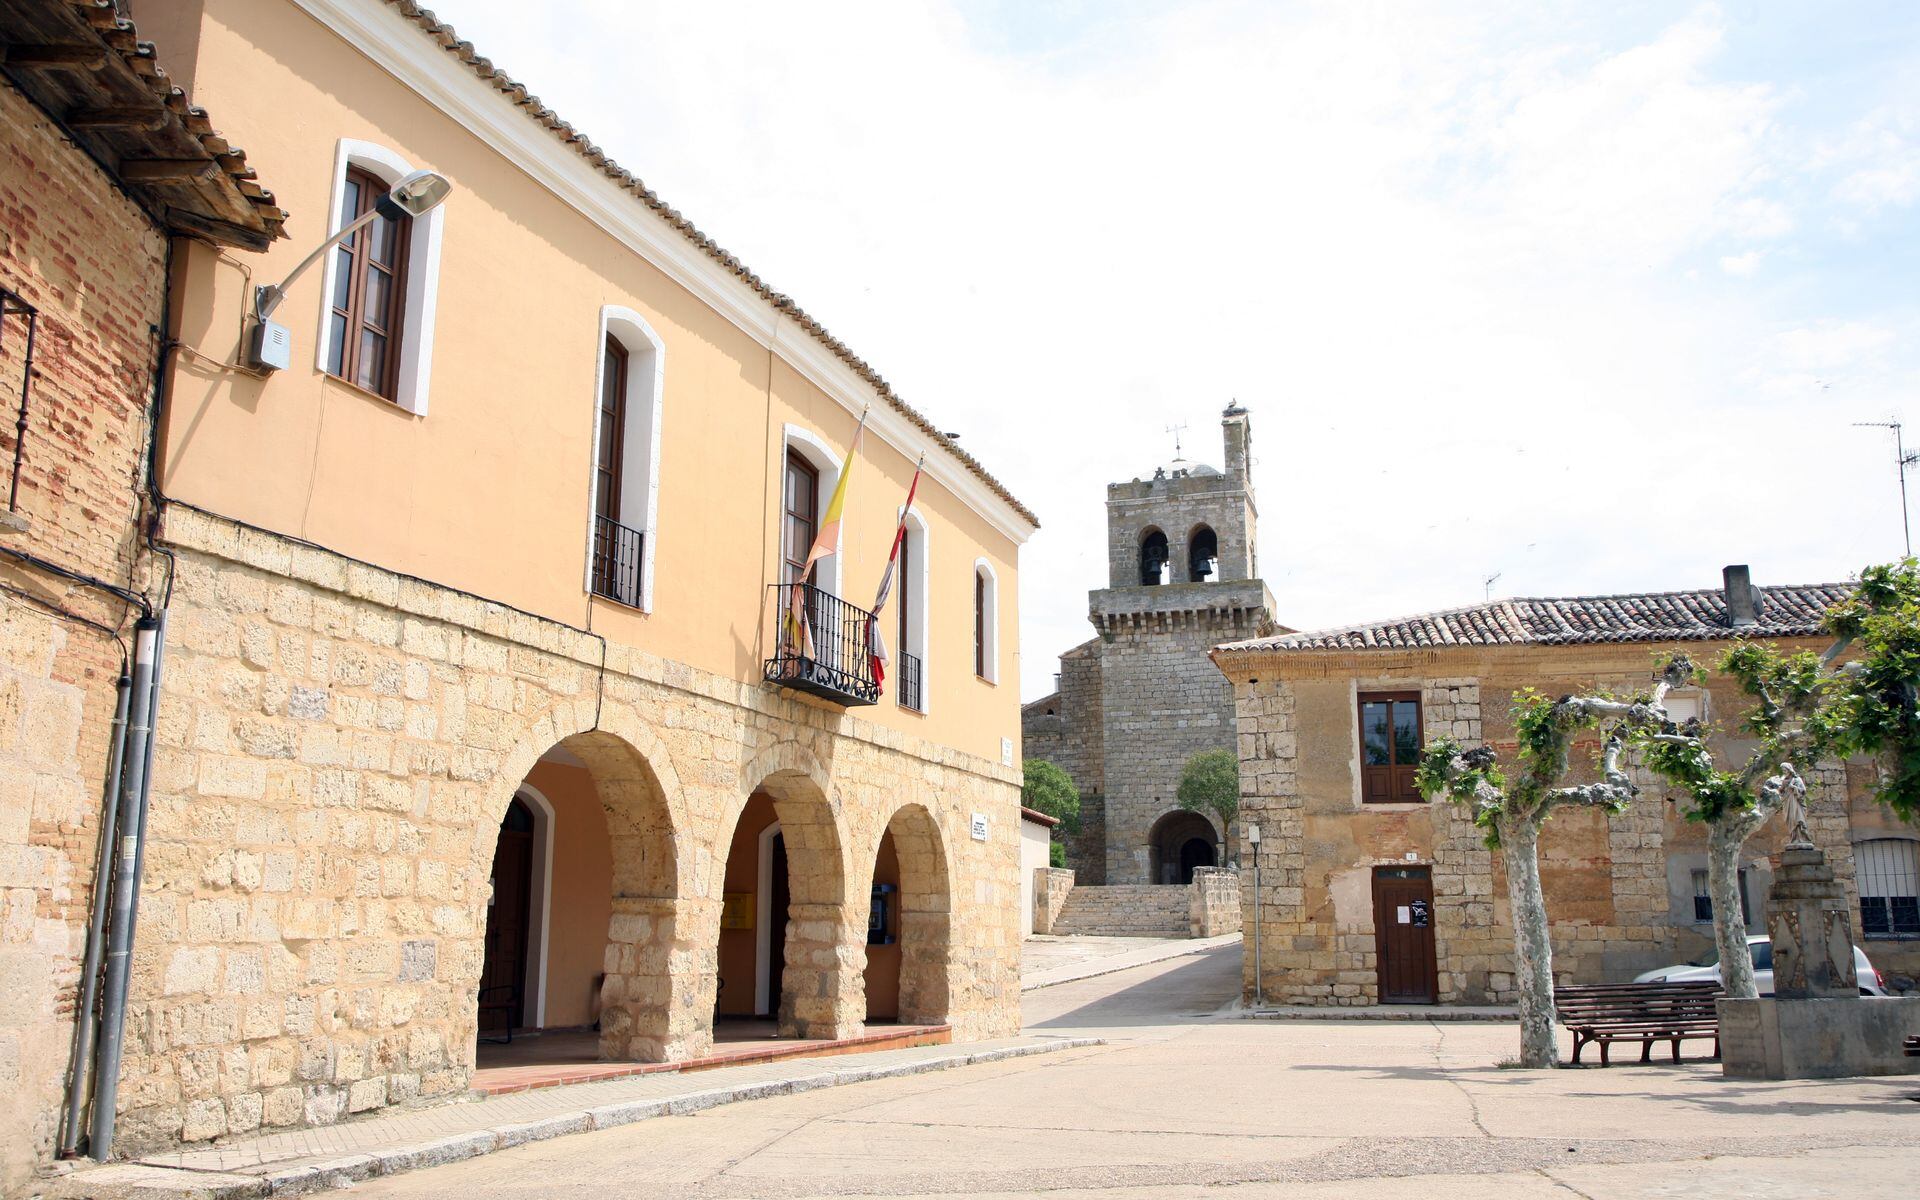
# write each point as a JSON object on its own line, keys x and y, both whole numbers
{"x": 1526, "y": 298}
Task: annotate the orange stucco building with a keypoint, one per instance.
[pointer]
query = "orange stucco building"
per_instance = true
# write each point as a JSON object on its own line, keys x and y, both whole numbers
{"x": 485, "y": 703}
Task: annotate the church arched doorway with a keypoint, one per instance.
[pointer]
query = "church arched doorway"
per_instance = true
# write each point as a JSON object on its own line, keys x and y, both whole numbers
{"x": 1181, "y": 842}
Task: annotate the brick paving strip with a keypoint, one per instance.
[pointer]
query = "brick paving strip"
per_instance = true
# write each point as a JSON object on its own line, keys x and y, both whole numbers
{"x": 308, "y": 1160}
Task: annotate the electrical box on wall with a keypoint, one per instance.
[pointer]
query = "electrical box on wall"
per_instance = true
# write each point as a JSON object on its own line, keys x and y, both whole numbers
{"x": 272, "y": 348}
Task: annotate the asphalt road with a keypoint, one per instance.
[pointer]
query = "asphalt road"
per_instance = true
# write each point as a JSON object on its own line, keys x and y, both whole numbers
{"x": 1187, "y": 1102}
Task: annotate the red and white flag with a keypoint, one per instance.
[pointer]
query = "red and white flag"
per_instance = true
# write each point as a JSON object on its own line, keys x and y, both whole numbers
{"x": 876, "y": 645}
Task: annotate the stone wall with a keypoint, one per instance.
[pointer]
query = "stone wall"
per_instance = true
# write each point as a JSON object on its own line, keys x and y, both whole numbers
{"x": 1162, "y": 701}
{"x": 337, "y": 746}
{"x": 83, "y": 254}
{"x": 1065, "y": 730}
{"x": 1617, "y": 885}
{"x": 1213, "y": 903}
{"x": 1051, "y": 887}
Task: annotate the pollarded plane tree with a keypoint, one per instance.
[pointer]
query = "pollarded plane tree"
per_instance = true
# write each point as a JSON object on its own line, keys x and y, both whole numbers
{"x": 1806, "y": 707}
{"x": 1512, "y": 807}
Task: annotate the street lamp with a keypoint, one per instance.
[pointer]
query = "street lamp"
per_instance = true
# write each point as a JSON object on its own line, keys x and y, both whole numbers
{"x": 1259, "y": 982}
{"x": 417, "y": 193}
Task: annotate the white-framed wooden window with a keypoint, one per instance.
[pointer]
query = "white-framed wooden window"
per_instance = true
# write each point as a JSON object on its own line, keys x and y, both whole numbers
{"x": 986, "y": 621}
{"x": 411, "y": 368}
{"x": 825, "y": 464}
{"x": 629, "y": 388}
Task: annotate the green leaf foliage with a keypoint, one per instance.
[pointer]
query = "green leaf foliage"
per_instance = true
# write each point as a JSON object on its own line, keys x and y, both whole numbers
{"x": 1876, "y": 708}
{"x": 1210, "y": 783}
{"x": 1056, "y": 854}
{"x": 1048, "y": 789}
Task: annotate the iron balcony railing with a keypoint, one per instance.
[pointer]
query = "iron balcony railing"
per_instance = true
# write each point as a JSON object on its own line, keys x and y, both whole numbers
{"x": 619, "y": 558}
{"x": 907, "y": 687}
{"x": 820, "y": 645}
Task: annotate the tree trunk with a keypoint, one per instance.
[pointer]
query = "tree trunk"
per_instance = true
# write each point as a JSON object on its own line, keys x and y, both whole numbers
{"x": 1532, "y": 945}
{"x": 1725, "y": 837}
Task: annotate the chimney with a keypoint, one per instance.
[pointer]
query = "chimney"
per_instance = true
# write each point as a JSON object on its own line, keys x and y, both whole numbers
{"x": 1239, "y": 441}
{"x": 1743, "y": 599}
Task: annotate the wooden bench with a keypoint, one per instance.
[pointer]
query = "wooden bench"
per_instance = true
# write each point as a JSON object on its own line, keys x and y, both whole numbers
{"x": 1912, "y": 1045}
{"x": 1646, "y": 1013}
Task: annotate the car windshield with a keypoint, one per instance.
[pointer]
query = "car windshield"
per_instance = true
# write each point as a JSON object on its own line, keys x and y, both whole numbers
{"x": 1762, "y": 956}
{"x": 1710, "y": 959}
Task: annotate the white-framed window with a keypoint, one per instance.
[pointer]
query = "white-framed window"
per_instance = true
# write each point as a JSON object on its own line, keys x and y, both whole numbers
{"x": 911, "y": 688}
{"x": 629, "y": 390}
{"x": 1888, "y": 870}
{"x": 986, "y": 621}
{"x": 821, "y": 475}
{"x": 411, "y": 367}
{"x": 1685, "y": 706}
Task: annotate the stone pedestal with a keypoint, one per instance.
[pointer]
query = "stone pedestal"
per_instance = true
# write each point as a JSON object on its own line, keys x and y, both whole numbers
{"x": 1817, "y": 1039}
{"x": 1816, "y": 1025}
{"x": 1811, "y": 928}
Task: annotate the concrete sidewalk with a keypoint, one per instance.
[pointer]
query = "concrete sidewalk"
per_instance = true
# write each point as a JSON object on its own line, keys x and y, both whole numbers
{"x": 1050, "y": 960}
{"x": 309, "y": 1160}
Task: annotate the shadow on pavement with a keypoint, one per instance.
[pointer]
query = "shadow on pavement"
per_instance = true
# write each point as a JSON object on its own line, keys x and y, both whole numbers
{"x": 1195, "y": 990}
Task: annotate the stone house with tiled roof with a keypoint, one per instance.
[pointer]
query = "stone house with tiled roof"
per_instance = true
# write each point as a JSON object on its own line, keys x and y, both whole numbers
{"x": 1372, "y": 895}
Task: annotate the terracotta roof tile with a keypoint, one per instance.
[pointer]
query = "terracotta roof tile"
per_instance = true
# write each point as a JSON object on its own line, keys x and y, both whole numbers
{"x": 1788, "y": 611}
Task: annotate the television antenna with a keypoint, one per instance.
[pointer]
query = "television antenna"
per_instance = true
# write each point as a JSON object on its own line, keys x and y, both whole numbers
{"x": 1488, "y": 583}
{"x": 1903, "y": 461}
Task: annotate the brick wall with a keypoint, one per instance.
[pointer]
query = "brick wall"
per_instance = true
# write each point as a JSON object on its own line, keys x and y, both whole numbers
{"x": 88, "y": 259}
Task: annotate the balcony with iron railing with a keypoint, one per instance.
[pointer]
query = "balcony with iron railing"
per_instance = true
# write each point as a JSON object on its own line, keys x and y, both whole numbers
{"x": 619, "y": 562}
{"x": 821, "y": 645}
{"x": 906, "y": 688}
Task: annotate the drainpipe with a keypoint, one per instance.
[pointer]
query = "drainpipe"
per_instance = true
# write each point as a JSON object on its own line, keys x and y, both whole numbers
{"x": 83, "y": 1022}
{"x": 148, "y": 632}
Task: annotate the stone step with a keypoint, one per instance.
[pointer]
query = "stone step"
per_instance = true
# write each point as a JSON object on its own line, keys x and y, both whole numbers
{"x": 1121, "y": 910}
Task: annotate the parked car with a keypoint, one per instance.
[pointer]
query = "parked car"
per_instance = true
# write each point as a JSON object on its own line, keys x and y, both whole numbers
{"x": 1872, "y": 983}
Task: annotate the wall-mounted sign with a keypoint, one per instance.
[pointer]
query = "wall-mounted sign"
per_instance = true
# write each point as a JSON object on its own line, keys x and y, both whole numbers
{"x": 1422, "y": 914}
{"x": 1006, "y": 752}
{"x": 979, "y": 827}
{"x": 736, "y": 910}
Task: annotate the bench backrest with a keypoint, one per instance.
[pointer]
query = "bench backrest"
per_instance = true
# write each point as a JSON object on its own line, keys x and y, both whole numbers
{"x": 1637, "y": 1003}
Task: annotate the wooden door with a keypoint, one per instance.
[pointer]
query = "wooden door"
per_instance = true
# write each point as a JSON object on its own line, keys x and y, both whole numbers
{"x": 1403, "y": 935}
{"x": 510, "y": 912}
{"x": 779, "y": 900}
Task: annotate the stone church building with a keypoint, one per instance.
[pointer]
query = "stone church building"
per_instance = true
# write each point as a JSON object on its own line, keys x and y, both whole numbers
{"x": 1140, "y": 698}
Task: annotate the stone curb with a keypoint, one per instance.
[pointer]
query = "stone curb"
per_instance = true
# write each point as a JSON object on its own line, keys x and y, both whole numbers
{"x": 1105, "y": 966}
{"x": 1377, "y": 1012}
{"x": 140, "y": 1181}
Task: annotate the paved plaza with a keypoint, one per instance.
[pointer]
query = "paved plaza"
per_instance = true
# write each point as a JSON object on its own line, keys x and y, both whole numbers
{"x": 1186, "y": 1100}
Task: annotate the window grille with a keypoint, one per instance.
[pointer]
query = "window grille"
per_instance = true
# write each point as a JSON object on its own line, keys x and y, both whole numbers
{"x": 1703, "y": 899}
{"x": 1889, "y": 875}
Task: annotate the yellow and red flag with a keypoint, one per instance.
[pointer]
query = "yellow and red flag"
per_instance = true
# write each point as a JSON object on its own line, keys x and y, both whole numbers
{"x": 826, "y": 543}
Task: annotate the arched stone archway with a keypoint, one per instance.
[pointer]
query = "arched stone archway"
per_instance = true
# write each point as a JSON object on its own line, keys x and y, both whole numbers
{"x": 1179, "y": 842}
{"x": 816, "y": 939}
{"x": 619, "y": 845}
{"x": 909, "y": 975}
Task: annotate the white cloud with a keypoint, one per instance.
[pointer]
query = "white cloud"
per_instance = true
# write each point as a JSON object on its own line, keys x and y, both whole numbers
{"x": 1447, "y": 255}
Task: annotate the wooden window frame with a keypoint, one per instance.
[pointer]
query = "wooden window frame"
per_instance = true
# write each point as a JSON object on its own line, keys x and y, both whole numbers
{"x": 358, "y": 247}
{"x": 1396, "y": 779}
{"x": 613, "y": 440}
{"x": 980, "y": 624}
{"x": 793, "y": 558}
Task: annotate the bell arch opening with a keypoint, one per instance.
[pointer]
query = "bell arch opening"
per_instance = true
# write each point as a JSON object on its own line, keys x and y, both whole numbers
{"x": 1153, "y": 558}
